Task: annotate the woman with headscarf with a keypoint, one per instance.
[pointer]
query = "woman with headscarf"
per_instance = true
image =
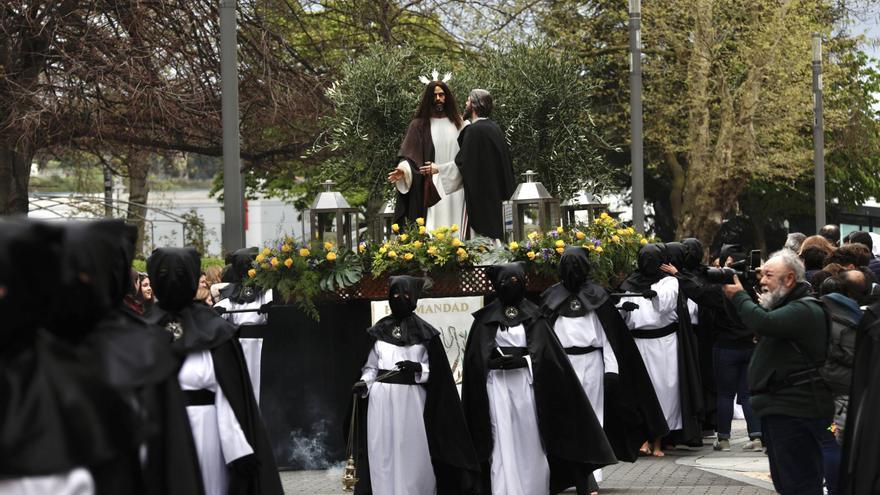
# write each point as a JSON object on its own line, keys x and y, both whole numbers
{"x": 604, "y": 356}
{"x": 533, "y": 427}
{"x": 230, "y": 437}
{"x": 416, "y": 440}
{"x": 238, "y": 296}
{"x": 660, "y": 324}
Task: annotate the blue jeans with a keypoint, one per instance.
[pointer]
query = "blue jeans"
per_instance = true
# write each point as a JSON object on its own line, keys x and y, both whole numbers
{"x": 831, "y": 454}
{"x": 794, "y": 448}
{"x": 730, "y": 366}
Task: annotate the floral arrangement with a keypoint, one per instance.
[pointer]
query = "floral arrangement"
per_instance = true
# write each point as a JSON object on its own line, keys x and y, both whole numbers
{"x": 302, "y": 271}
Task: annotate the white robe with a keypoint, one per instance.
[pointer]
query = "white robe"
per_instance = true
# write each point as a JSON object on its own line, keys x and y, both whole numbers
{"x": 660, "y": 355}
{"x": 218, "y": 436}
{"x": 75, "y": 482}
{"x": 397, "y": 444}
{"x": 587, "y": 331}
{"x": 450, "y": 209}
{"x": 252, "y": 347}
{"x": 519, "y": 462}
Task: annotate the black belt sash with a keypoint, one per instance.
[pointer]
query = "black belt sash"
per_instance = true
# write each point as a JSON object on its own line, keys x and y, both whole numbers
{"x": 201, "y": 397}
{"x": 578, "y": 351}
{"x": 655, "y": 333}
{"x": 497, "y": 362}
{"x": 398, "y": 378}
{"x": 515, "y": 351}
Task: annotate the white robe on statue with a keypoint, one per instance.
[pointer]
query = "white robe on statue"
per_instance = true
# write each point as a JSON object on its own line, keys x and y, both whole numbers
{"x": 586, "y": 331}
{"x": 450, "y": 209}
{"x": 519, "y": 462}
{"x": 75, "y": 482}
{"x": 660, "y": 355}
{"x": 397, "y": 444}
{"x": 218, "y": 436}
{"x": 252, "y": 347}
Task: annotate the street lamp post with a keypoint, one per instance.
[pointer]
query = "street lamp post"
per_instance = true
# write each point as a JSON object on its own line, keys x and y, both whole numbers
{"x": 818, "y": 132}
{"x": 635, "y": 104}
{"x": 233, "y": 193}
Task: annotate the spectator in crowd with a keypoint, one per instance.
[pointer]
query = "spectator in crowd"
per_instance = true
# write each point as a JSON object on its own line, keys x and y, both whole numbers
{"x": 793, "y": 241}
{"x": 816, "y": 241}
{"x": 850, "y": 256}
{"x": 864, "y": 238}
{"x": 789, "y": 396}
{"x": 814, "y": 260}
{"x": 145, "y": 293}
{"x": 832, "y": 233}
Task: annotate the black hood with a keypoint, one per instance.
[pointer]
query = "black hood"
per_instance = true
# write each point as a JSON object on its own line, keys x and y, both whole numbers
{"x": 403, "y": 294}
{"x": 95, "y": 273}
{"x": 694, "y": 257}
{"x": 734, "y": 251}
{"x": 26, "y": 288}
{"x": 403, "y": 327}
{"x": 174, "y": 274}
{"x": 576, "y": 294}
{"x": 574, "y": 268}
{"x": 650, "y": 257}
{"x": 239, "y": 263}
{"x": 511, "y": 308}
{"x": 676, "y": 254}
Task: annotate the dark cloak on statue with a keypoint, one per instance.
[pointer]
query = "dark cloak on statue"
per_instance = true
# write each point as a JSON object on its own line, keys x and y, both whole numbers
{"x": 487, "y": 174}
{"x": 417, "y": 148}
{"x": 57, "y": 413}
{"x": 572, "y": 436}
{"x": 860, "y": 465}
{"x": 134, "y": 357}
{"x": 455, "y": 463}
{"x": 174, "y": 274}
{"x": 632, "y": 411}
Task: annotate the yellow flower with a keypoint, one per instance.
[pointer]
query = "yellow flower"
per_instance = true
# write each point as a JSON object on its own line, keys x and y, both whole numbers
{"x": 432, "y": 250}
{"x": 560, "y": 250}
{"x": 288, "y": 262}
{"x": 643, "y": 241}
{"x": 559, "y": 230}
{"x": 630, "y": 230}
{"x": 328, "y": 245}
{"x": 531, "y": 255}
{"x": 580, "y": 235}
{"x": 514, "y": 246}
{"x": 604, "y": 215}
{"x": 331, "y": 256}
{"x": 395, "y": 227}
{"x": 361, "y": 248}
{"x": 403, "y": 237}
{"x": 285, "y": 248}
{"x": 422, "y": 230}
{"x": 461, "y": 253}
{"x": 599, "y": 249}
{"x": 266, "y": 252}
{"x": 408, "y": 256}
{"x": 392, "y": 254}
{"x": 260, "y": 258}
{"x": 417, "y": 244}
{"x": 615, "y": 239}
{"x": 439, "y": 236}
{"x": 560, "y": 244}
{"x": 590, "y": 247}
{"x": 304, "y": 252}
{"x": 274, "y": 262}
{"x": 454, "y": 227}
{"x": 456, "y": 242}
{"x": 420, "y": 221}
{"x": 252, "y": 273}
{"x": 382, "y": 250}
{"x": 533, "y": 235}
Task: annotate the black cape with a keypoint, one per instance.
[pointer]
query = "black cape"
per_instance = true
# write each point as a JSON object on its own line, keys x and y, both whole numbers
{"x": 487, "y": 173}
{"x": 572, "y": 436}
{"x": 455, "y": 463}
{"x": 690, "y": 383}
{"x": 633, "y": 412}
{"x": 860, "y": 465}
{"x": 205, "y": 330}
{"x": 416, "y": 148}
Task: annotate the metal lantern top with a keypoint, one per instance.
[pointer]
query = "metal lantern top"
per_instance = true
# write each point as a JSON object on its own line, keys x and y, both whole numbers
{"x": 330, "y": 200}
{"x": 588, "y": 203}
{"x": 531, "y": 191}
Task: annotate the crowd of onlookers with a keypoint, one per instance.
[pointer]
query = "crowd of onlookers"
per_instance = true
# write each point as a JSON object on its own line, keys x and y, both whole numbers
{"x": 141, "y": 298}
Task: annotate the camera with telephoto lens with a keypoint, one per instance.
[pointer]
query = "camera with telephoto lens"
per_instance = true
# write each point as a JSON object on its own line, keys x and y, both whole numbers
{"x": 746, "y": 270}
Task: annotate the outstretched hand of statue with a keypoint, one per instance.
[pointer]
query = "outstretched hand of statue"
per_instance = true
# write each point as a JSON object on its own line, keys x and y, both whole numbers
{"x": 395, "y": 175}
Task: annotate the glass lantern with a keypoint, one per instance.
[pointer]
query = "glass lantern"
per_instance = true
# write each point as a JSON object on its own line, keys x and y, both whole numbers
{"x": 585, "y": 202}
{"x": 332, "y": 218}
{"x": 530, "y": 209}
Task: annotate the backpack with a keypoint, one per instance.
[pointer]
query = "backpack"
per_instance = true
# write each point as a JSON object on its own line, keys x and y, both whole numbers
{"x": 840, "y": 357}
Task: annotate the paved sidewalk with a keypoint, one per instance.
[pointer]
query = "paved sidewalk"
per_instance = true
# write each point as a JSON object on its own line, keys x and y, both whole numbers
{"x": 684, "y": 472}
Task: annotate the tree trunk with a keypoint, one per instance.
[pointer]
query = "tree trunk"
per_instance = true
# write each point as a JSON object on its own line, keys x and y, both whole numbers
{"x": 678, "y": 183}
{"x": 15, "y": 176}
{"x": 138, "y": 191}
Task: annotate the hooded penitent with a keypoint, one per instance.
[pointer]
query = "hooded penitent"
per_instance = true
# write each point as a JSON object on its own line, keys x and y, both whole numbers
{"x": 694, "y": 257}
{"x": 569, "y": 431}
{"x": 240, "y": 262}
{"x": 632, "y": 412}
{"x": 452, "y": 456}
{"x": 650, "y": 257}
{"x": 676, "y": 254}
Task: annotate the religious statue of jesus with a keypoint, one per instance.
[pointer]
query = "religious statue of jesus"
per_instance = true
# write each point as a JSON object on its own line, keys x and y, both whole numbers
{"x": 432, "y": 137}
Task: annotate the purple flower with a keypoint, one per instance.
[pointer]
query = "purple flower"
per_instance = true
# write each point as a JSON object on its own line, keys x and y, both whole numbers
{"x": 545, "y": 253}
{"x": 554, "y": 234}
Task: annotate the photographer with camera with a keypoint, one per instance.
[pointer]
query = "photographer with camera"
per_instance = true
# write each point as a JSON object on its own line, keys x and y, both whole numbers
{"x": 787, "y": 392}
{"x": 732, "y": 343}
